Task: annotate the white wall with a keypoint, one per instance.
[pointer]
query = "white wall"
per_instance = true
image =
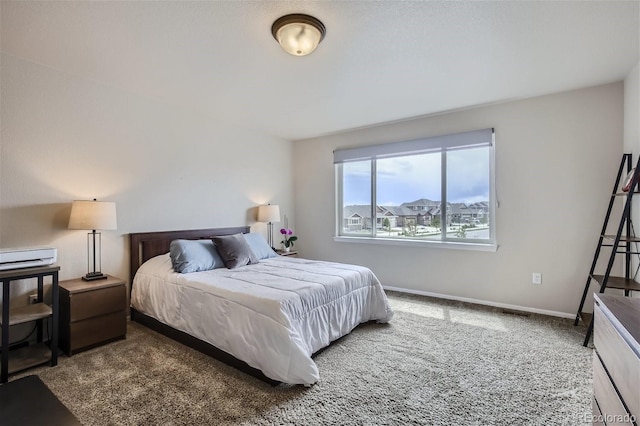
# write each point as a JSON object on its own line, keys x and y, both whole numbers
{"x": 632, "y": 133}
{"x": 66, "y": 138}
{"x": 556, "y": 157}
{"x": 632, "y": 112}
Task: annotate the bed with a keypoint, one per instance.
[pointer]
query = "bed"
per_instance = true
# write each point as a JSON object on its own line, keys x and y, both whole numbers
{"x": 267, "y": 319}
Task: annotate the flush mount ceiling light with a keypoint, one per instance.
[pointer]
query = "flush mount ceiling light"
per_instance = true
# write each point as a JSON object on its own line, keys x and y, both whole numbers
{"x": 298, "y": 34}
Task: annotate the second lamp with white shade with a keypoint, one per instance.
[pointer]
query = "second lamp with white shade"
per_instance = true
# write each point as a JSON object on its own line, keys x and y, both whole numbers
{"x": 269, "y": 214}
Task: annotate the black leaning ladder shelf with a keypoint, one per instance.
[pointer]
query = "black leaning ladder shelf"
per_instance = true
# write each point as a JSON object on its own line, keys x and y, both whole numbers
{"x": 620, "y": 243}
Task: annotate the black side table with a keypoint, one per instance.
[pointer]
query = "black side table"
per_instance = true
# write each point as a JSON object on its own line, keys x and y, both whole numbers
{"x": 32, "y": 355}
{"x": 28, "y": 401}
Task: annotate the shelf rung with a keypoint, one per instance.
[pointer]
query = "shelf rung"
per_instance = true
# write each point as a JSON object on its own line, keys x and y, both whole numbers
{"x": 618, "y": 282}
{"x": 28, "y": 313}
{"x": 585, "y": 317}
{"x": 29, "y": 356}
{"x": 623, "y": 238}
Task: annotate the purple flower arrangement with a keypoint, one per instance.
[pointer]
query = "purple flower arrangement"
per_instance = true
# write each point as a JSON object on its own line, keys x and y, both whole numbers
{"x": 288, "y": 236}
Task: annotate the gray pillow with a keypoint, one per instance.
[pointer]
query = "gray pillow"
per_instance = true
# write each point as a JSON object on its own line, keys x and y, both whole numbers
{"x": 234, "y": 251}
{"x": 259, "y": 246}
{"x": 194, "y": 255}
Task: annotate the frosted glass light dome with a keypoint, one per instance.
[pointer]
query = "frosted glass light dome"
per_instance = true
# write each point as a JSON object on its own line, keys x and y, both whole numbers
{"x": 298, "y": 34}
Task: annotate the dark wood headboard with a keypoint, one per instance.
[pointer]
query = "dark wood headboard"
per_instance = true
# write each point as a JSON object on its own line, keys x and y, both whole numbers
{"x": 145, "y": 245}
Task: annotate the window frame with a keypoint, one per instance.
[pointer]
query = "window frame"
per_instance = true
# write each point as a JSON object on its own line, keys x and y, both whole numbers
{"x": 441, "y": 144}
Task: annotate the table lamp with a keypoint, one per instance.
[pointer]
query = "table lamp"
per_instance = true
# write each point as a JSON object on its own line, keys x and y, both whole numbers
{"x": 93, "y": 215}
{"x": 269, "y": 213}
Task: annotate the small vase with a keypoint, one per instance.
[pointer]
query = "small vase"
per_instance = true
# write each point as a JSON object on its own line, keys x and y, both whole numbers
{"x": 286, "y": 249}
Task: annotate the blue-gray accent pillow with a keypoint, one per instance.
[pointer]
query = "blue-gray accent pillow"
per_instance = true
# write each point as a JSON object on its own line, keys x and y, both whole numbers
{"x": 194, "y": 255}
{"x": 259, "y": 246}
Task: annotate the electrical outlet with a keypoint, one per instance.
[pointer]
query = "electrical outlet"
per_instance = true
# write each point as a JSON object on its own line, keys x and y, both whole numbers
{"x": 536, "y": 278}
{"x": 33, "y": 299}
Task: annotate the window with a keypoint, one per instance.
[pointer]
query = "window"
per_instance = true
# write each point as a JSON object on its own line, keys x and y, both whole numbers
{"x": 438, "y": 189}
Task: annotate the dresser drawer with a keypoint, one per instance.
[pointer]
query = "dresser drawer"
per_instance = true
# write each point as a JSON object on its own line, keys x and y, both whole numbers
{"x": 619, "y": 359}
{"x": 597, "y": 415}
{"x": 605, "y": 394}
{"x": 88, "y": 304}
{"x": 96, "y": 331}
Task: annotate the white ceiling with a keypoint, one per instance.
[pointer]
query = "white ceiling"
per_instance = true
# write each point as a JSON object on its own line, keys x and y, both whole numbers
{"x": 379, "y": 62}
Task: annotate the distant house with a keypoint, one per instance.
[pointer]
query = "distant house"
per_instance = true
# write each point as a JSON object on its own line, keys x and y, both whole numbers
{"x": 358, "y": 217}
{"x": 477, "y": 212}
{"x": 481, "y": 211}
{"x": 469, "y": 213}
{"x": 419, "y": 212}
{"x": 421, "y": 205}
{"x": 404, "y": 215}
{"x": 425, "y": 210}
{"x": 355, "y": 218}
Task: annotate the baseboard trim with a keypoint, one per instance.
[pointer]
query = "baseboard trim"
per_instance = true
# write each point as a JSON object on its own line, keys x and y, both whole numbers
{"x": 483, "y": 302}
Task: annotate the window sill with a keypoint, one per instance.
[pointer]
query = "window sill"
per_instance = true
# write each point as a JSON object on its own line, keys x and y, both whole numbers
{"x": 415, "y": 243}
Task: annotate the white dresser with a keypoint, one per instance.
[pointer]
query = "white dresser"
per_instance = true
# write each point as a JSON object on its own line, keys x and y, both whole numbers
{"x": 616, "y": 360}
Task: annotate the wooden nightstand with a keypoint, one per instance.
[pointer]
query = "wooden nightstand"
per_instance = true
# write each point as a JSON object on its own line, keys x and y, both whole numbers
{"x": 291, "y": 253}
{"x": 92, "y": 313}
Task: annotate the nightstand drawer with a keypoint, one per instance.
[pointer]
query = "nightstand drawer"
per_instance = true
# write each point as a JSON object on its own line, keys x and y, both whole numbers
{"x": 96, "y": 331}
{"x": 89, "y": 304}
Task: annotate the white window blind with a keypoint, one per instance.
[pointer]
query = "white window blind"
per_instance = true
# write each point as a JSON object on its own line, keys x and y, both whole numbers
{"x": 475, "y": 138}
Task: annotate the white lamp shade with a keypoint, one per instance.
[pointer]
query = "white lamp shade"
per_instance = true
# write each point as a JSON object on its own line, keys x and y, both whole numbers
{"x": 269, "y": 213}
{"x": 93, "y": 215}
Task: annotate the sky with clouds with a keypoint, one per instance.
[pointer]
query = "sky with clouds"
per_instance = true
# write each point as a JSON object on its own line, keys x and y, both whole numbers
{"x": 405, "y": 179}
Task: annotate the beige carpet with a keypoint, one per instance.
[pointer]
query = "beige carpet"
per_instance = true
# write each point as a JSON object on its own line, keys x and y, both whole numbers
{"x": 436, "y": 363}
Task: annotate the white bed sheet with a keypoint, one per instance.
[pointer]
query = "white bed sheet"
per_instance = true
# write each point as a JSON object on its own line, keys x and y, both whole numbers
{"x": 272, "y": 315}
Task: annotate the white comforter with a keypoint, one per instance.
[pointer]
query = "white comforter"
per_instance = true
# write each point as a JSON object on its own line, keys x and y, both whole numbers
{"x": 273, "y": 315}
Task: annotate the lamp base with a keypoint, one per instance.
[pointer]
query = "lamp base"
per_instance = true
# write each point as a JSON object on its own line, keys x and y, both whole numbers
{"x": 93, "y": 276}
